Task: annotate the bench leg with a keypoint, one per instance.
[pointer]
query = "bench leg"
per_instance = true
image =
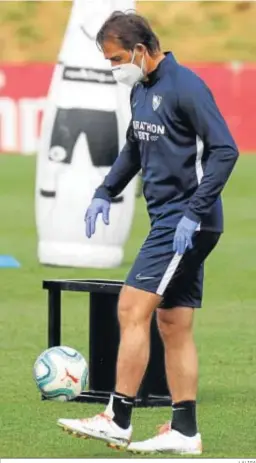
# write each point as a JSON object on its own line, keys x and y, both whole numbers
{"x": 54, "y": 317}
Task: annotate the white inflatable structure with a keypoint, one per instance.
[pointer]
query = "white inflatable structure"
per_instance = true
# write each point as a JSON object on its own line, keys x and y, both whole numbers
{"x": 83, "y": 131}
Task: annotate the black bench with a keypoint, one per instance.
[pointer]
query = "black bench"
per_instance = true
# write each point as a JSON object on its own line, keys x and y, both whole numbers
{"x": 102, "y": 355}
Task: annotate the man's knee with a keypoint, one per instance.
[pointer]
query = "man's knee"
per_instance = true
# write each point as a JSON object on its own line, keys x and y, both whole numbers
{"x": 130, "y": 313}
{"x": 135, "y": 306}
{"x": 175, "y": 325}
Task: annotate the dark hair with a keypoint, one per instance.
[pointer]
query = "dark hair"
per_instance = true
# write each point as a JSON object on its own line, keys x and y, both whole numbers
{"x": 129, "y": 29}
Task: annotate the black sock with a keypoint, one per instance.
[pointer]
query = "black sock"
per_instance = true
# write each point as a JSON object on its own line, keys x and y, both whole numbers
{"x": 121, "y": 406}
{"x": 184, "y": 417}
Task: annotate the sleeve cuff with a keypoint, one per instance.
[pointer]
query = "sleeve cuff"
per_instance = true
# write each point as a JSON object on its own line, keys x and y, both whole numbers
{"x": 102, "y": 193}
{"x": 190, "y": 215}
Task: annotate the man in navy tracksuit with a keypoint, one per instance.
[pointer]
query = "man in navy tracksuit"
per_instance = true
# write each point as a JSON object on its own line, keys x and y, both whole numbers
{"x": 180, "y": 141}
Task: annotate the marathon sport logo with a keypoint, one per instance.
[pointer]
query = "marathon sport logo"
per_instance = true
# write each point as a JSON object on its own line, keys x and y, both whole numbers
{"x": 97, "y": 76}
{"x": 147, "y": 131}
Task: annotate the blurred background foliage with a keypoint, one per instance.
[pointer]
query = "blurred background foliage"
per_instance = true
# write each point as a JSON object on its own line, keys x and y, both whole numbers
{"x": 194, "y": 31}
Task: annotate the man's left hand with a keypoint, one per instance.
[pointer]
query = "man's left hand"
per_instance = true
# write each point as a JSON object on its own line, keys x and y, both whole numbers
{"x": 183, "y": 235}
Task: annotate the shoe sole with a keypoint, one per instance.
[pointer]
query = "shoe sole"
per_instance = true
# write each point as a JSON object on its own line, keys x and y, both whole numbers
{"x": 116, "y": 446}
{"x": 148, "y": 452}
{"x": 112, "y": 445}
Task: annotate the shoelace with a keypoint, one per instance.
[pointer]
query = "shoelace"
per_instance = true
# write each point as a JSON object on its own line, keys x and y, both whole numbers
{"x": 96, "y": 418}
{"x": 164, "y": 428}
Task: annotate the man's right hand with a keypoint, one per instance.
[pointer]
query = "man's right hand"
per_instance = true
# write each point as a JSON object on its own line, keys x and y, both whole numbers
{"x": 97, "y": 206}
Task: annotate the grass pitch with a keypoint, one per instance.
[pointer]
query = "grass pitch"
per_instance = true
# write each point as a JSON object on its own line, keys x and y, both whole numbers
{"x": 224, "y": 330}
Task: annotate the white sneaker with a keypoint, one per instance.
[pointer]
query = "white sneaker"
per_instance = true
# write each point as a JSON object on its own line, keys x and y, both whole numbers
{"x": 99, "y": 427}
{"x": 169, "y": 441}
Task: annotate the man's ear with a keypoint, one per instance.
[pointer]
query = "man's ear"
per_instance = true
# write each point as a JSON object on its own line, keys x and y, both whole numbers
{"x": 140, "y": 47}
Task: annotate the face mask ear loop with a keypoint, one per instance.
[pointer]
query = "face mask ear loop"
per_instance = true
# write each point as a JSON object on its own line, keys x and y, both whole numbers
{"x": 142, "y": 64}
{"x": 133, "y": 55}
{"x": 142, "y": 61}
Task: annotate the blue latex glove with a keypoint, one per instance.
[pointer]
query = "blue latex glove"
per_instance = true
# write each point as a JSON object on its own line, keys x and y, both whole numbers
{"x": 183, "y": 235}
{"x": 97, "y": 206}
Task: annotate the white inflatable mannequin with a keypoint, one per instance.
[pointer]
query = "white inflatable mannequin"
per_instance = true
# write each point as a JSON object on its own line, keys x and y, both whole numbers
{"x": 83, "y": 130}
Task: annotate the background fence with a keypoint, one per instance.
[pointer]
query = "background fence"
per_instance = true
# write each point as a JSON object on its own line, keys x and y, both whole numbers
{"x": 23, "y": 90}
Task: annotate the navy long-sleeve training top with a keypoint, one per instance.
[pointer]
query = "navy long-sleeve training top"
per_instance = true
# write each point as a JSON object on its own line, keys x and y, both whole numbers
{"x": 180, "y": 141}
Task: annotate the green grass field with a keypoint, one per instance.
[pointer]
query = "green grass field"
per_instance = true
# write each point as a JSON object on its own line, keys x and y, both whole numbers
{"x": 225, "y": 329}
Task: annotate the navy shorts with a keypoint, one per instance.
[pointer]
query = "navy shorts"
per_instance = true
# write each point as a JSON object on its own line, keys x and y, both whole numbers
{"x": 178, "y": 279}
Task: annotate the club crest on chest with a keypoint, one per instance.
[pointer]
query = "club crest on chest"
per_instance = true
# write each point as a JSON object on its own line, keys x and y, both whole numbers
{"x": 156, "y": 101}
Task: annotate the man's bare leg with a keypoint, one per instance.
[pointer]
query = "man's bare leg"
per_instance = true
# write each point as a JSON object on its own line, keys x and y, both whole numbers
{"x": 134, "y": 313}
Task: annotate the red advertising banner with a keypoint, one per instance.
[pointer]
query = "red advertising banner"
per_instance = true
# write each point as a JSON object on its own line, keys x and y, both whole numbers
{"x": 234, "y": 88}
{"x": 23, "y": 91}
{"x": 24, "y": 87}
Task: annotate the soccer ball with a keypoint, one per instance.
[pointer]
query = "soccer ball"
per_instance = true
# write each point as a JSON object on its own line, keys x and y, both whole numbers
{"x": 60, "y": 373}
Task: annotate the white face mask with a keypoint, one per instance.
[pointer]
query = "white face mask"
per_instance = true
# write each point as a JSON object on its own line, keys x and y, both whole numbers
{"x": 128, "y": 73}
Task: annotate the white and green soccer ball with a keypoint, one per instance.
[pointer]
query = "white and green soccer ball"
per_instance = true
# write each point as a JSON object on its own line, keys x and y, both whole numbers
{"x": 61, "y": 373}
